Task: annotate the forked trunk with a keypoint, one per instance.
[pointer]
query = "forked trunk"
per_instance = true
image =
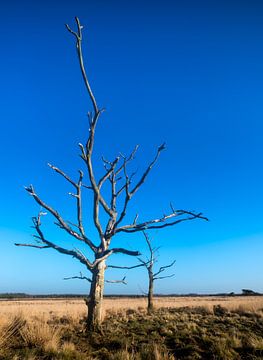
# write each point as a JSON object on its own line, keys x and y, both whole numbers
{"x": 95, "y": 298}
{"x": 150, "y": 293}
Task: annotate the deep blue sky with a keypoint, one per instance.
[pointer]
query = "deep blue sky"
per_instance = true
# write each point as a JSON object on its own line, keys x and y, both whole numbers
{"x": 189, "y": 73}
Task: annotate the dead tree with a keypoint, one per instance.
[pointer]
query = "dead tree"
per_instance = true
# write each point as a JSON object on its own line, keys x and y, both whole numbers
{"x": 153, "y": 274}
{"x": 115, "y": 206}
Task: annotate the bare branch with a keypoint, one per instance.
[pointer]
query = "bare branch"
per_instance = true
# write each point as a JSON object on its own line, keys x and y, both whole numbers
{"x": 96, "y": 216}
{"x": 172, "y": 208}
{"x": 83, "y": 152}
{"x": 127, "y": 159}
{"x": 77, "y": 186}
{"x": 79, "y": 205}
{"x": 122, "y": 281}
{"x": 163, "y": 277}
{"x": 124, "y": 267}
{"x": 109, "y": 252}
{"x": 81, "y": 254}
{"x": 80, "y": 277}
{"x": 135, "y": 219}
{"x": 129, "y": 193}
{"x": 150, "y": 224}
{"x": 56, "y": 169}
{"x": 143, "y": 262}
{"x": 98, "y": 199}
{"x": 109, "y": 172}
{"x": 34, "y": 246}
{"x": 71, "y": 223}
{"x": 113, "y": 177}
{"x": 61, "y": 222}
{"x": 163, "y": 268}
{"x": 125, "y": 251}
{"x": 87, "y": 187}
{"x": 61, "y": 250}
{"x": 78, "y": 37}
{"x": 49, "y": 244}
{"x": 120, "y": 190}
{"x": 141, "y": 181}
{"x": 114, "y": 195}
{"x": 147, "y": 239}
{"x": 71, "y": 31}
{"x": 105, "y": 161}
{"x": 127, "y": 197}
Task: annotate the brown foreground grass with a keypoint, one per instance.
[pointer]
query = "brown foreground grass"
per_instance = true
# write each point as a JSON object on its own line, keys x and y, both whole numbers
{"x": 180, "y": 328}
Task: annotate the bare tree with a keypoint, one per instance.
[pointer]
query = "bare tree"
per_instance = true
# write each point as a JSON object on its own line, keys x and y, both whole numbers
{"x": 153, "y": 275}
{"x": 122, "y": 191}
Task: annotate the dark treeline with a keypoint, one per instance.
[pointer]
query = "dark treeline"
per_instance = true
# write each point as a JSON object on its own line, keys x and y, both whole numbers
{"x": 10, "y": 296}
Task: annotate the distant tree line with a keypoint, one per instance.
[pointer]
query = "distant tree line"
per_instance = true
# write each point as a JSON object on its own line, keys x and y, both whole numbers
{"x": 245, "y": 292}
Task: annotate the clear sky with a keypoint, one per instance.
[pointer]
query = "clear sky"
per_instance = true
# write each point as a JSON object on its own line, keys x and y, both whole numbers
{"x": 189, "y": 73}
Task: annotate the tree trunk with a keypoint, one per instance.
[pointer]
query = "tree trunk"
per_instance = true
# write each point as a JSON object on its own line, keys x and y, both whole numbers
{"x": 95, "y": 298}
{"x": 150, "y": 293}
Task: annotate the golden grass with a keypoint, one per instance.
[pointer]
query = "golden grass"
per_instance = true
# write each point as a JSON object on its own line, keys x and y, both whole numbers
{"x": 183, "y": 327}
{"x": 76, "y": 308}
{"x": 41, "y": 335}
{"x": 31, "y": 333}
{"x": 10, "y": 327}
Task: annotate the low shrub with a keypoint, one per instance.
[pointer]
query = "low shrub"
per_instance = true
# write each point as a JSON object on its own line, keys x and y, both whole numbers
{"x": 166, "y": 334}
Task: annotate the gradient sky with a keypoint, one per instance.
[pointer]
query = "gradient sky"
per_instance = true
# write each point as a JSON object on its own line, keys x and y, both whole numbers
{"x": 189, "y": 73}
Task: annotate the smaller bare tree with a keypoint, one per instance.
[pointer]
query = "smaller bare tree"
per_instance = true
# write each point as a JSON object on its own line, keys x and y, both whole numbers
{"x": 153, "y": 275}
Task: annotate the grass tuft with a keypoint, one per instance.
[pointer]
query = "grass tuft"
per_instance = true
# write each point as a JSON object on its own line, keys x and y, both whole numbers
{"x": 41, "y": 335}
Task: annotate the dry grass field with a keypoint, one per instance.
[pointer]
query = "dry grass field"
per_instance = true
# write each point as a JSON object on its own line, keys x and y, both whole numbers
{"x": 76, "y": 308}
{"x": 181, "y": 328}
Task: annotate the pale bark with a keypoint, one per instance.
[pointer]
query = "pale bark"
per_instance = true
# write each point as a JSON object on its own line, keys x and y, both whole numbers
{"x": 94, "y": 318}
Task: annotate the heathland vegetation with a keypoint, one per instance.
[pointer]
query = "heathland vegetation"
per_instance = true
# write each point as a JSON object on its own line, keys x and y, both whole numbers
{"x": 179, "y": 328}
